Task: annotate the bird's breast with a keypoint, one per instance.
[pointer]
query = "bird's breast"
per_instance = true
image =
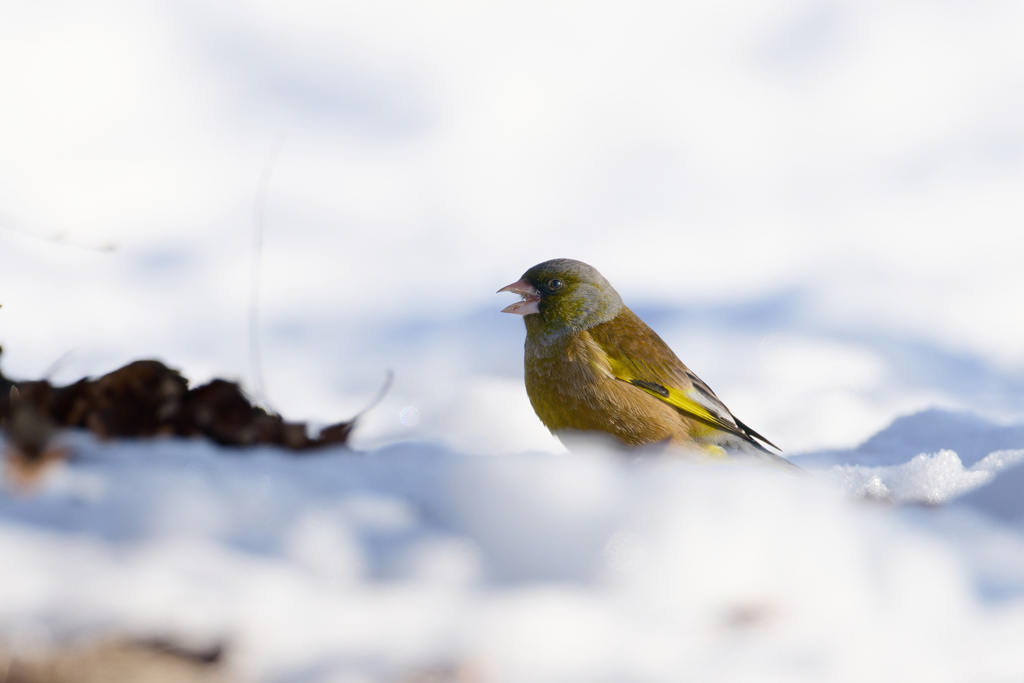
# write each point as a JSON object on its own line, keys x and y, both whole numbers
{"x": 571, "y": 387}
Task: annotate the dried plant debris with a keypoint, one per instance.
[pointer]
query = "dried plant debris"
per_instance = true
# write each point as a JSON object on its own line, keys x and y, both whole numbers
{"x": 118, "y": 660}
{"x": 30, "y": 431}
{"x": 147, "y": 399}
{"x": 464, "y": 672}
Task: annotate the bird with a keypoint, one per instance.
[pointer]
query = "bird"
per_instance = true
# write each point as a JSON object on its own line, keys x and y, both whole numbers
{"x": 593, "y": 368}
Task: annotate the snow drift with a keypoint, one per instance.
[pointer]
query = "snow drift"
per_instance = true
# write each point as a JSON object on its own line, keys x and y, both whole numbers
{"x": 533, "y": 567}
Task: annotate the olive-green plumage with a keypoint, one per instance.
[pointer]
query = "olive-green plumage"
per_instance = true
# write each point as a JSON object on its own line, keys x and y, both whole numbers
{"x": 593, "y": 366}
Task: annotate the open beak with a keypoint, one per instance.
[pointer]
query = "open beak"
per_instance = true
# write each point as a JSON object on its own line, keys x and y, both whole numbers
{"x": 530, "y": 298}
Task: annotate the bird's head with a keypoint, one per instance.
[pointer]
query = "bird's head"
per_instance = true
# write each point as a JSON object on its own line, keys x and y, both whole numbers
{"x": 565, "y": 294}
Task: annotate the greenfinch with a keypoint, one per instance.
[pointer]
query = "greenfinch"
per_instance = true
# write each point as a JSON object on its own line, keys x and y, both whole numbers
{"x": 594, "y": 368}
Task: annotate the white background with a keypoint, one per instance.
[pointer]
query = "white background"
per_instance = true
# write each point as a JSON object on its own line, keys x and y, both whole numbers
{"x": 817, "y": 204}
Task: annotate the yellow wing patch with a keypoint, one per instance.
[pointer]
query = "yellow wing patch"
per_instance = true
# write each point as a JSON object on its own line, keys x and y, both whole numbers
{"x": 687, "y": 405}
{"x": 675, "y": 398}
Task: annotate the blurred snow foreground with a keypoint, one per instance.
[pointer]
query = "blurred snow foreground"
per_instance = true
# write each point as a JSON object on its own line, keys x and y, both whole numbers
{"x": 416, "y": 563}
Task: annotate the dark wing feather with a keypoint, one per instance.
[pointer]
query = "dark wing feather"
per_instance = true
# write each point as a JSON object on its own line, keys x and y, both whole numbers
{"x": 639, "y": 356}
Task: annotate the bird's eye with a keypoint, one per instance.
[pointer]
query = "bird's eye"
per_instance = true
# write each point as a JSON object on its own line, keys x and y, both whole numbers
{"x": 555, "y": 284}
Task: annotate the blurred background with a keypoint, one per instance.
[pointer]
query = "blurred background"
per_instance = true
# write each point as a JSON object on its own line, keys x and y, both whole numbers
{"x": 817, "y": 204}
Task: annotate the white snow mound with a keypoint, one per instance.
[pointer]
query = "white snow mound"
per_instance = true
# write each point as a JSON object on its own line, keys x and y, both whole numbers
{"x": 526, "y": 568}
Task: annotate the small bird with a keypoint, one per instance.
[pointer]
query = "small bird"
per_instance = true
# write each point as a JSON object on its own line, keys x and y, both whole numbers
{"x": 593, "y": 366}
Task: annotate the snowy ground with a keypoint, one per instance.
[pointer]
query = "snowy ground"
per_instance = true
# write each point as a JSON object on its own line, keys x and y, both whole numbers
{"x": 895, "y": 564}
{"x": 817, "y": 204}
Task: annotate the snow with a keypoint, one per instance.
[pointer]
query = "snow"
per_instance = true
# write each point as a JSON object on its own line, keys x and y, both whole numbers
{"x": 817, "y": 205}
{"x": 373, "y": 565}
{"x": 944, "y": 442}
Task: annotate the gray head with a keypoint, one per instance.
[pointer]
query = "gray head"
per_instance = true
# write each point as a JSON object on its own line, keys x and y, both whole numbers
{"x": 564, "y": 295}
